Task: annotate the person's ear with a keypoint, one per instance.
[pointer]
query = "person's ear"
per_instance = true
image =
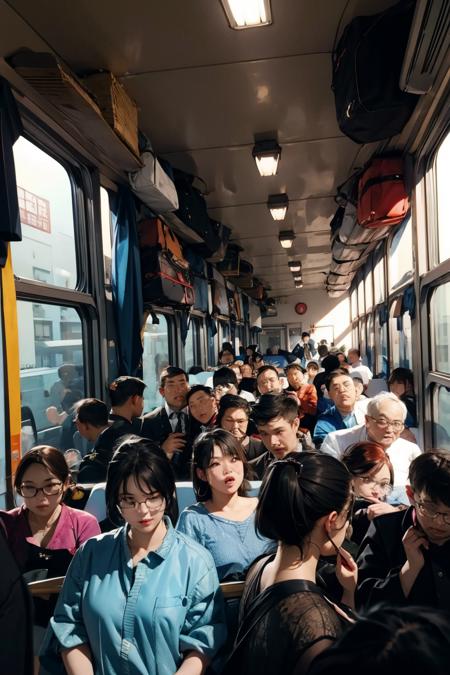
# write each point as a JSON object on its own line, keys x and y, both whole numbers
{"x": 410, "y": 493}
{"x": 161, "y": 391}
{"x": 201, "y": 473}
{"x": 329, "y": 522}
{"x": 296, "y": 424}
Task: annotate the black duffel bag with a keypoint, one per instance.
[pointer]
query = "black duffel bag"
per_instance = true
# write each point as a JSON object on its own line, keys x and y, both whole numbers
{"x": 193, "y": 212}
{"x": 370, "y": 105}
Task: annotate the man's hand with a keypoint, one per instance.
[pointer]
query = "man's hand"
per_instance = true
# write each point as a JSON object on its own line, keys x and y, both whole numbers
{"x": 175, "y": 442}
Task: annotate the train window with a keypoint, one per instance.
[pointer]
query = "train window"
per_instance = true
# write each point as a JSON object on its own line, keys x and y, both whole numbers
{"x": 368, "y": 289}
{"x": 155, "y": 358}
{"x": 191, "y": 350}
{"x": 439, "y": 313}
{"x": 378, "y": 282}
{"x": 107, "y": 234}
{"x": 354, "y": 302}
{"x": 51, "y": 372}
{"x": 362, "y": 337}
{"x": 381, "y": 338}
{"x": 443, "y": 198}
{"x": 370, "y": 349}
{"x": 47, "y": 250}
{"x": 400, "y": 337}
{"x": 213, "y": 352}
{"x": 441, "y": 417}
{"x": 361, "y": 308}
{"x": 400, "y": 256}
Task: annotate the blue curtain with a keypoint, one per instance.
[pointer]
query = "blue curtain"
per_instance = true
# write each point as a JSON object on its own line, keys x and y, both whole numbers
{"x": 10, "y": 130}
{"x": 127, "y": 284}
{"x": 409, "y": 302}
{"x": 383, "y": 315}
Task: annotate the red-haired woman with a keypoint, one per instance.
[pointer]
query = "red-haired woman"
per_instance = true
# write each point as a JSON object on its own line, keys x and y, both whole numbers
{"x": 373, "y": 480}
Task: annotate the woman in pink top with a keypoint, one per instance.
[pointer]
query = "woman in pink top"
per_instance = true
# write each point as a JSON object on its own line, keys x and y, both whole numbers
{"x": 43, "y": 534}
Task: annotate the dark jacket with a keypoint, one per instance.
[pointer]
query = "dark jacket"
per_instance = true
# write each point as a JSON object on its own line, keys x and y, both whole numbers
{"x": 157, "y": 427}
{"x": 94, "y": 467}
{"x": 382, "y": 556}
{"x": 16, "y": 652}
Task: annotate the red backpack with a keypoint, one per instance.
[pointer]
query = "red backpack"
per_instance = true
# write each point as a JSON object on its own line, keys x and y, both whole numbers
{"x": 382, "y": 196}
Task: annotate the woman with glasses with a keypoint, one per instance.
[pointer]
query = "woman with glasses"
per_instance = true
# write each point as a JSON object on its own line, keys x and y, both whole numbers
{"x": 43, "y": 533}
{"x": 373, "y": 481}
{"x": 287, "y": 619}
{"x": 143, "y": 598}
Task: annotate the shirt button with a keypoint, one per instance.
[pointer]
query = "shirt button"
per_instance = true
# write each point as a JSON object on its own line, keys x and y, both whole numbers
{"x": 184, "y": 602}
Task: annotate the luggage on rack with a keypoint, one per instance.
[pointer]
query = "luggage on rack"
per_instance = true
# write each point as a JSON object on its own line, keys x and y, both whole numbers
{"x": 197, "y": 269}
{"x": 230, "y": 265}
{"x": 165, "y": 271}
{"x": 193, "y": 212}
{"x": 216, "y": 248}
{"x": 257, "y": 292}
{"x": 351, "y": 232}
{"x": 218, "y": 291}
{"x": 367, "y": 61}
{"x": 382, "y": 195}
{"x": 153, "y": 186}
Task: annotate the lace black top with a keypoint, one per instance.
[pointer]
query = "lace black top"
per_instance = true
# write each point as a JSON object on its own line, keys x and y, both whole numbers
{"x": 288, "y": 637}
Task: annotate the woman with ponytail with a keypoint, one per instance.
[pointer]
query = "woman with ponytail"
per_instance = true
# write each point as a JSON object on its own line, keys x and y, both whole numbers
{"x": 286, "y": 618}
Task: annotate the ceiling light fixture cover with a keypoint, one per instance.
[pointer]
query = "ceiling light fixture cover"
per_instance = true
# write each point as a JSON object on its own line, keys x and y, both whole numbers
{"x": 267, "y": 155}
{"x": 243, "y": 14}
{"x": 298, "y": 284}
{"x": 286, "y": 238}
{"x": 295, "y": 265}
{"x": 297, "y": 277}
{"x": 278, "y": 206}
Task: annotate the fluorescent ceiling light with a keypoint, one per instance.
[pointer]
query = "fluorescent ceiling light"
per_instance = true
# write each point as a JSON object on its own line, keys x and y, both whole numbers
{"x": 298, "y": 284}
{"x": 278, "y": 206}
{"x": 295, "y": 265}
{"x": 297, "y": 277}
{"x": 286, "y": 238}
{"x": 247, "y": 13}
{"x": 267, "y": 155}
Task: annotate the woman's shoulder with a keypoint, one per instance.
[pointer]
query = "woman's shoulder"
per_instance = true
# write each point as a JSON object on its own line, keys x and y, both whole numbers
{"x": 13, "y": 517}
{"x": 77, "y": 515}
{"x": 193, "y": 550}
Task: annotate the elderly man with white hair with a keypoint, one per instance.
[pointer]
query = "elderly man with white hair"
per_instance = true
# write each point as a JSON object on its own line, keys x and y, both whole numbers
{"x": 385, "y": 421}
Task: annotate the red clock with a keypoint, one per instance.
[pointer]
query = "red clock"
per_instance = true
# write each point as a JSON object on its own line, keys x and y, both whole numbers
{"x": 301, "y": 308}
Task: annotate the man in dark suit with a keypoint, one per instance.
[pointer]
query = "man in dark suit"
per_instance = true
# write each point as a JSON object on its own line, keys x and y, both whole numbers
{"x": 169, "y": 425}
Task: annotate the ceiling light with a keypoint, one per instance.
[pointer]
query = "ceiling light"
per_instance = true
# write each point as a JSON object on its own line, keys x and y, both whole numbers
{"x": 297, "y": 277}
{"x": 267, "y": 155}
{"x": 295, "y": 265}
{"x": 247, "y": 13}
{"x": 286, "y": 238}
{"x": 298, "y": 284}
{"x": 278, "y": 206}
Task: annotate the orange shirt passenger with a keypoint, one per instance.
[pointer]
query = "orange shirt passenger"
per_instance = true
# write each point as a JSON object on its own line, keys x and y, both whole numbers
{"x": 306, "y": 393}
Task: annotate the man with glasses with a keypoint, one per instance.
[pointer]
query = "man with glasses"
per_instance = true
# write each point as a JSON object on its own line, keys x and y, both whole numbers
{"x": 384, "y": 422}
{"x": 405, "y": 556}
{"x": 345, "y": 412}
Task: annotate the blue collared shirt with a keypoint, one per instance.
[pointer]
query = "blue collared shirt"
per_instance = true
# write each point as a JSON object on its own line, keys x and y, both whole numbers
{"x": 332, "y": 420}
{"x": 140, "y": 620}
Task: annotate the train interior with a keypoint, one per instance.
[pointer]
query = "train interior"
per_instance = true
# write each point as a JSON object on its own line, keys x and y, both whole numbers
{"x": 207, "y": 98}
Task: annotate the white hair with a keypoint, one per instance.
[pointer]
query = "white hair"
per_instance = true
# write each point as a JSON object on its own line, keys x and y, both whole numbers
{"x": 373, "y": 407}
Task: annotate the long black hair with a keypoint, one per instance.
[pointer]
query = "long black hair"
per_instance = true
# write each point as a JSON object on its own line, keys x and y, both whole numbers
{"x": 145, "y": 461}
{"x": 296, "y": 492}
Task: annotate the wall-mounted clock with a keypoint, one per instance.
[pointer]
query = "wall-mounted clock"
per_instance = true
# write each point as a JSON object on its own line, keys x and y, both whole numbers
{"x": 301, "y": 308}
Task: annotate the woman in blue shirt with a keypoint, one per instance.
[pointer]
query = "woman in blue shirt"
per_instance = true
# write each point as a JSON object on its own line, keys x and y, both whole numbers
{"x": 142, "y": 599}
{"x": 223, "y": 520}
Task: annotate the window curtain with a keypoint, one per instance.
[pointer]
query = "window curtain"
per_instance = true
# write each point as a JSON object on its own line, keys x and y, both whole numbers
{"x": 10, "y": 130}
{"x": 127, "y": 284}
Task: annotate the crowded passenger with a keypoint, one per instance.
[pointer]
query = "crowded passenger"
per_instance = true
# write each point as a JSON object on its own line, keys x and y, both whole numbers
{"x": 277, "y": 420}
{"x": 226, "y": 357}
{"x": 43, "y": 533}
{"x": 401, "y": 383}
{"x": 234, "y": 416}
{"x": 92, "y": 422}
{"x": 286, "y": 618}
{"x": 372, "y": 481}
{"x": 359, "y": 386}
{"x": 306, "y": 394}
{"x": 312, "y": 369}
{"x": 225, "y": 382}
{"x": 345, "y": 412}
{"x": 268, "y": 380}
{"x": 384, "y": 422}
{"x": 306, "y": 349}
{"x": 391, "y": 640}
{"x": 404, "y": 558}
{"x": 329, "y": 364}
{"x": 248, "y": 381}
{"x": 357, "y": 366}
{"x": 223, "y": 520}
{"x": 202, "y": 408}
{"x": 169, "y": 424}
{"x": 143, "y": 598}
{"x": 127, "y": 402}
